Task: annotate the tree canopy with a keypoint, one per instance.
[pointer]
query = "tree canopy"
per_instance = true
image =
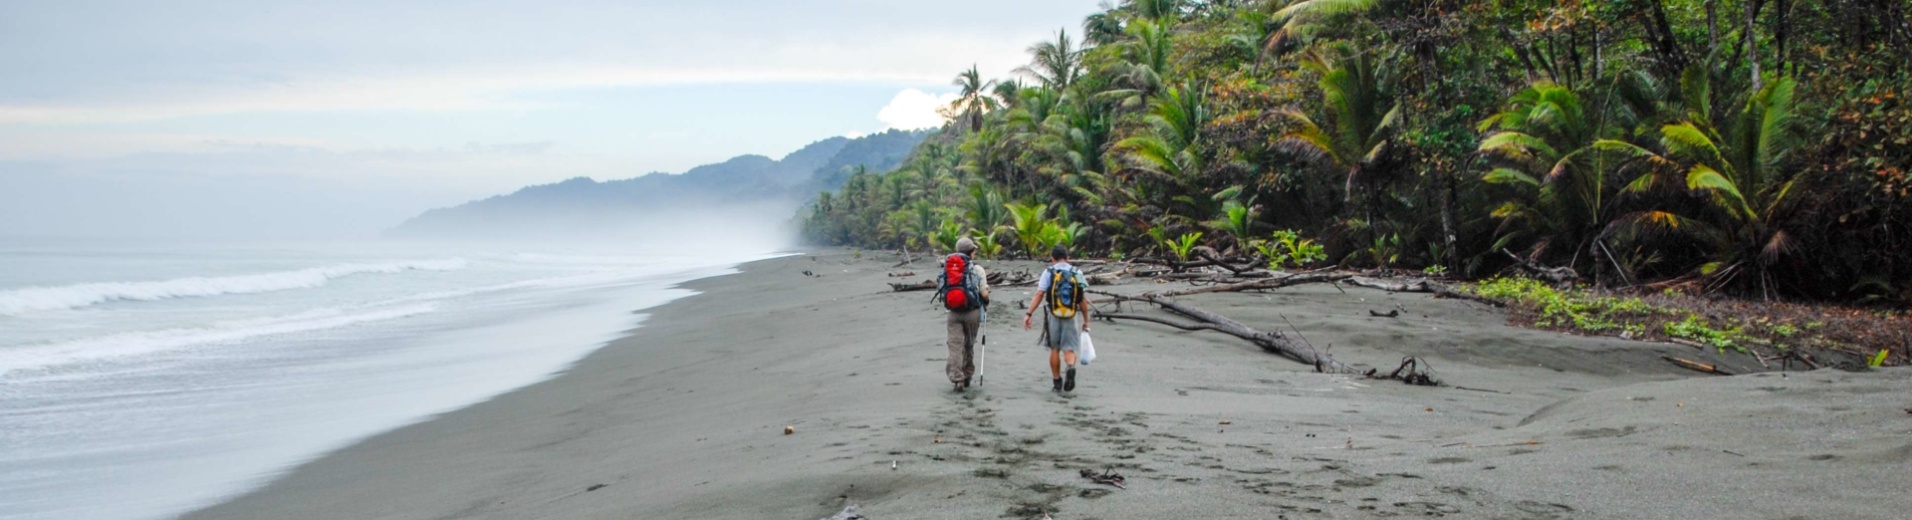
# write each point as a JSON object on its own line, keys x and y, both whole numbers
{"x": 1757, "y": 147}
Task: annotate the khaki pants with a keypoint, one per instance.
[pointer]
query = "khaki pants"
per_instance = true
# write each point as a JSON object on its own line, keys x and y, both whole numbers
{"x": 962, "y": 344}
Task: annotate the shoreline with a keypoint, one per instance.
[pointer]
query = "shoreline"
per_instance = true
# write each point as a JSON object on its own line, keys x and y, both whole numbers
{"x": 684, "y": 418}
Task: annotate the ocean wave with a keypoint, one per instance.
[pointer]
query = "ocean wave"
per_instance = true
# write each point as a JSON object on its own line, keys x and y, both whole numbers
{"x": 19, "y": 301}
{"x": 131, "y": 344}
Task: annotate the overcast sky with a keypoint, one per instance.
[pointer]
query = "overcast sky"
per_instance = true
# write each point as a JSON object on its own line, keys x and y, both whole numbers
{"x": 269, "y": 118}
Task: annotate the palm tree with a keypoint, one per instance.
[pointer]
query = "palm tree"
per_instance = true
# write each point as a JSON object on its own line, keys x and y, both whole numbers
{"x": 1147, "y": 56}
{"x": 972, "y": 100}
{"x": 1168, "y": 148}
{"x": 1056, "y": 64}
{"x": 923, "y": 221}
{"x": 1103, "y": 27}
{"x": 1364, "y": 118}
{"x": 1238, "y": 221}
{"x": 1739, "y": 177}
{"x": 1078, "y": 136}
{"x": 984, "y": 209}
{"x": 1301, "y": 20}
{"x": 1159, "y": 11}
{"x": 1545, "y": 145}
{"x": 1029, "y": 224}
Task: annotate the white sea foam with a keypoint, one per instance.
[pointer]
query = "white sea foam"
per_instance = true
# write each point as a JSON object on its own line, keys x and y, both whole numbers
{"x": 20, "y": 301}
{"x": 44, "y": 356}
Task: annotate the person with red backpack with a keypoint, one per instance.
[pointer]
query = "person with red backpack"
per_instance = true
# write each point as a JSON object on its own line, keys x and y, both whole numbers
{"x": 1063, "y": 289}
{"x": 963, "y": 287}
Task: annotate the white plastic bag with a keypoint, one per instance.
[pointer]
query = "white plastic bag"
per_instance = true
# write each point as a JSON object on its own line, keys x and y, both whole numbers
{"x": 1087, "y": 349}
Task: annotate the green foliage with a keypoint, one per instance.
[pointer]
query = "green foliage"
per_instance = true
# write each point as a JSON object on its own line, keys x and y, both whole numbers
{"x": 1237, "y": 220}
{"x": 946, "y": 234}
{"x": 1183, "y": 245}
{"x": 1600, "y": 136}
{"x": 1878, "y": 360}
{"x": 1570, "y": 309}
{"x": 1288, "y": 249}
{"x": 1386, "y": 250}
{"x": 986, "y": 245}
{"x": 1032, "y": 227}
{"x": 1696, "y": 329}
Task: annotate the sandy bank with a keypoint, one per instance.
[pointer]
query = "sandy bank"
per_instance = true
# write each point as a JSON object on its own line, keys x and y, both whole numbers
{"x": 684, "y": 419}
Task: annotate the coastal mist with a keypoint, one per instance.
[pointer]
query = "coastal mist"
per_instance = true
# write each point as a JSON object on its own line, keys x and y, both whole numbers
{"x": 140, "y": 379}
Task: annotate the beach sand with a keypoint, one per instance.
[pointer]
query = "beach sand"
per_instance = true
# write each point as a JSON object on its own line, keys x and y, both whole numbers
{"x": 685, "y": 418}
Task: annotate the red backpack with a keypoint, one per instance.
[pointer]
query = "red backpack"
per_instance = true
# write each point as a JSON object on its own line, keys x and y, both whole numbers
{"x": 954, "y": 286}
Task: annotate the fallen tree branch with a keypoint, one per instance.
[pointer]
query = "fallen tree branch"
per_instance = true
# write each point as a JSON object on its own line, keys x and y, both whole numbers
{"x": 1696, "y": 366}
{"x": 1424, "y": 286}
{"x": 1112, "y": 316}
{"x": 1108, "y": 476}
{"x": 1412, "y": 371}
{"x": 1272, "y": 342}
{"x": 1265, "y": 283}
{"x": 1208, "y": 255}
{"x": 924, "y": 285}
{"x": 1556, "y": 276}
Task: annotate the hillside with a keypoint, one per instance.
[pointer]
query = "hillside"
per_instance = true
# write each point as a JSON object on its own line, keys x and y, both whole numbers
{"x": 583, "y": 206}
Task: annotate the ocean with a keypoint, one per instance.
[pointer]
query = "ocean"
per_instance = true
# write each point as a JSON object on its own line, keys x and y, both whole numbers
{"x": 143, "y": 379}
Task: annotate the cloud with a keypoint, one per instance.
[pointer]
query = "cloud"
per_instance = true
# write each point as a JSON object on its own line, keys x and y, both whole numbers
{"x": 914, "y": 109}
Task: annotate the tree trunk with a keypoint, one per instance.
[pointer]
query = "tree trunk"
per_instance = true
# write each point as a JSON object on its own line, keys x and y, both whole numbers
{"x": 1781, "y": 29}
{"x": 1752, "y": 41}
{"x": 1672, "y": 59}
{"x": 1444, "y": 185}
{"x": 1712, "y": 31}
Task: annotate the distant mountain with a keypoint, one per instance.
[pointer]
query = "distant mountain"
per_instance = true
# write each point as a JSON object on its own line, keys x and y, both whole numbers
{"x": 585, "y": 207}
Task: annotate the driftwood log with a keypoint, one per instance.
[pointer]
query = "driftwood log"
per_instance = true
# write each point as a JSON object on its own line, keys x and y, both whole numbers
{"x": 1209, "y": 255}
{"x": 995, "y": 280}
{"x": 1264, "y": 283}
{"x": 1696, "y": 366}
{"x": 1272, "y": 342}
{"x": 924, "y": 285}
{"x": 1556, "y": 276}
{"x": 1180, "y": 266}
{"x": 1107, "y": 476}
{"x": 848, "y": 513}
{"x": 1422, "y": 286}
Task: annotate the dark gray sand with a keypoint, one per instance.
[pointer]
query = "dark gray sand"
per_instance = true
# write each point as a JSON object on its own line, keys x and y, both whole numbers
{"x": 685, "y": 419}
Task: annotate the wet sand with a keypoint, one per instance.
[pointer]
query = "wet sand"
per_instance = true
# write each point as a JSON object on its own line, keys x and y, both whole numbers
{"x": 685, "y": 419}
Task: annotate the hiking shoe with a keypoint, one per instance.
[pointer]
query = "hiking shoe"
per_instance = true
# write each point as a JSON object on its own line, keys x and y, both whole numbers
{"x": 1068, "y": 382}
{"x": 1058, "y": 387}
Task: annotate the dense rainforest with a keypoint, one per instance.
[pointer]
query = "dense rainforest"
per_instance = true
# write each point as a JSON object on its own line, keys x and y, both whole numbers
{"x": 1759, "y": 148}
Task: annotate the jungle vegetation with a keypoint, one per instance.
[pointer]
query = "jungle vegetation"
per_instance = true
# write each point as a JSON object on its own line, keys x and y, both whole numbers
{"x": 1749, "y": 147}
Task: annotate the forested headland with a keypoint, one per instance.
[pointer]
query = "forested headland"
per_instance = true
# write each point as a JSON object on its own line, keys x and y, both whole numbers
{"x": 1755, "y": 148}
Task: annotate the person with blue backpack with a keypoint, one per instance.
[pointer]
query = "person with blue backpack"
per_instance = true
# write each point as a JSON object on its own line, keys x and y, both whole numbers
{"x": 963, "y": 287}
{"x": 1063, "y": 290}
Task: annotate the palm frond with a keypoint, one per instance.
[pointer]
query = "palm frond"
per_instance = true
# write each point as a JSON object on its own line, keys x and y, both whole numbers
{"x": 1509, "y": 176}
{"x": 1724, "y": 192}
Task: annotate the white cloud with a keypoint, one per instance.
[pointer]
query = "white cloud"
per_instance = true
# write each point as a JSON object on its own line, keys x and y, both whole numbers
{"x": 914, "y": 109}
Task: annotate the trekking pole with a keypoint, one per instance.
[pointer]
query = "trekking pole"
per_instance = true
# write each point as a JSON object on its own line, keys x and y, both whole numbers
{"x": 982, "y": 328}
